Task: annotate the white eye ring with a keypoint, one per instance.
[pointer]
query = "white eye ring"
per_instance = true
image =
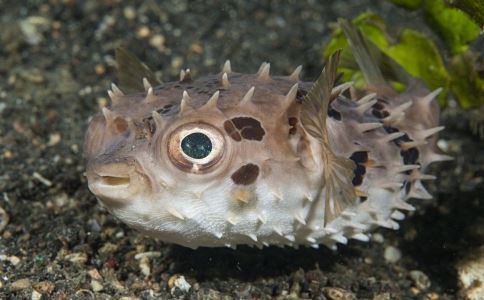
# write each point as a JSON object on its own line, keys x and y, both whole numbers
{"x": 217, "y": 145}
{"x": 190, "y": 164}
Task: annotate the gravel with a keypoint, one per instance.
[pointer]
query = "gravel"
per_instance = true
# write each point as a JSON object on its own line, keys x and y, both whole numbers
{"x": 57, "y": 242}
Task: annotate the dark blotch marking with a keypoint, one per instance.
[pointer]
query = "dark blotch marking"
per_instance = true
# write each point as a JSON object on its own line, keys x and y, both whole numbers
{"x": 410, "y": 156}
{"x": 378, "y": 106}
{"x": 381, "y": 114}
{"x": 363, "y": 199}
{"x": 249, "y": 128}
{"x": 231, "y": 131}
{"x": 246, "y": 174}
{"x": 357, "y": 180}
{"x": 390, "y": 129}
{"x": 333, "y": 113}
{"x": 359, "y": 173}
{"x": 404, "y": 138}
{"x": 359, "y": 157}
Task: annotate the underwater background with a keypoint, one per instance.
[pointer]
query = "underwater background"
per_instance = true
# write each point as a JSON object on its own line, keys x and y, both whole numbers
{"x": 56, "y": 63}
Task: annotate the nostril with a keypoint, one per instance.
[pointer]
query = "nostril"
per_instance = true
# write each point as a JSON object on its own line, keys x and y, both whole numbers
{"x": 115, "y": 181}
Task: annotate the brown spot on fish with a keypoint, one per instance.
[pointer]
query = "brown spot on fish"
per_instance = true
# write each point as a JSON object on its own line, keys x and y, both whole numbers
{"x": 246, "y": 174}
{"x": 232, "y": 131}
{"x": 120, "y": 125}
{"x": 249, "y": 128}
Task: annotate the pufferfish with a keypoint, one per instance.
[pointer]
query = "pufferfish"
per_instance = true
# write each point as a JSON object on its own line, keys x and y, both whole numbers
{"x": 253, "y": 159}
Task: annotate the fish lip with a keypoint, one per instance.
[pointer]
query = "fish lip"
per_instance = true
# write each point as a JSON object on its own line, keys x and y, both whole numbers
{"x": 114, "y": 184}
{"x": 110, "y": 181}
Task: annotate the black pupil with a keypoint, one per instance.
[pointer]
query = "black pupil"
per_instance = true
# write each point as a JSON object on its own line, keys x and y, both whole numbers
{"x": 196, "y": 145}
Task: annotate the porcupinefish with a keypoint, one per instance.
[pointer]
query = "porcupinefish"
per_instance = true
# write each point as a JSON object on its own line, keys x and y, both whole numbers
{"x": 255, "y": 159}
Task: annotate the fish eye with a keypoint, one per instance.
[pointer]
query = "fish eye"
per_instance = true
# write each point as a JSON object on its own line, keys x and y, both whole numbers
{"x": 195, "y": 147}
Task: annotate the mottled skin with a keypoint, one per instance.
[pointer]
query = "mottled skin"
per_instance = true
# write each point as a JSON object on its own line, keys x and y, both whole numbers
{"x": 284, "y": 173}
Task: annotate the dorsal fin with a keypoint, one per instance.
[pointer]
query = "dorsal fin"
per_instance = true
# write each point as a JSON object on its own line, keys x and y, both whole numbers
{"x": 337, "y": 188}
{"x": 361, "y": 52}
{"x": 374, "y": 63}
{"x": 132, "y": 71}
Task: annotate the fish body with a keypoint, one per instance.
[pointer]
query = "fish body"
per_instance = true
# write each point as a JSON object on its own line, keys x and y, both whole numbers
{"x": 232, "y": 158}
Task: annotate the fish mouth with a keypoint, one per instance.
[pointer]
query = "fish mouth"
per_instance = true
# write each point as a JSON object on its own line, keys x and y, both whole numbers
{"x": 115, "y": 181}
{"x": 115, "y": 184}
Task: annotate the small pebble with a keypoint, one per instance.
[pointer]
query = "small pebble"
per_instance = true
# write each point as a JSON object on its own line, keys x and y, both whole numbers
{"x": 100, "y": 69}
{"x": 96, "y": 286}
{"x": 42, "y": 179}
{"x": 148, "y": 254}
{"x": 35, "y": 295}
{"x": 384, "y": 296}
{"x": 14, "y": 260}
{"x": 54, "y": 139}
{"x": 7, "y": 154}
{"x": 392, "y": 254}
{"x": 94, "y": 273}
{"x": 144, "y": 265}
{"x": 334, "y": 293}
{"x": 420, "y": 280}
{"x": 143, "y": 32}
{"x": 129, "y": 13}
{"x": 44, "y": 287}
{"x": 377, "y": 237}
{"x": 77, "y": 257}
{"x": 471, "y": 275}
{"x": 4, "y": 219}
{"x": 433, "y": 296}
{"x": 108, "y": 248}
{"x": 178, "y": 281}
{"x": 158, "y": 42}
{"x": 20, "y": 284}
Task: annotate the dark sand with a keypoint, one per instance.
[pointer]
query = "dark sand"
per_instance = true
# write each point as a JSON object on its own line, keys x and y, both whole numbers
{"x": 59, "y": 243}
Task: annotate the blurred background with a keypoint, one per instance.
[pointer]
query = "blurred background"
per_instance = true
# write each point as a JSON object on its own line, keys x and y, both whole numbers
{"x": 56, "y": 63}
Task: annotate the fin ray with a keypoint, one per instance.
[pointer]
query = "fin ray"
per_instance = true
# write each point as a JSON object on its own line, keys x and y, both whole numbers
{"x": 337, "y": 189}
{"x": 132, "y": 71}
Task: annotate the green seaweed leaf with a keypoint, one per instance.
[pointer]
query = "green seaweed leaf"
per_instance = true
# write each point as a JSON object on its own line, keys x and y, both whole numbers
{"x": 474, "y": 8}
{"x": 372, "y": 27}
{"x": 456, "y": 28}
{"x": 421, "y": 58}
